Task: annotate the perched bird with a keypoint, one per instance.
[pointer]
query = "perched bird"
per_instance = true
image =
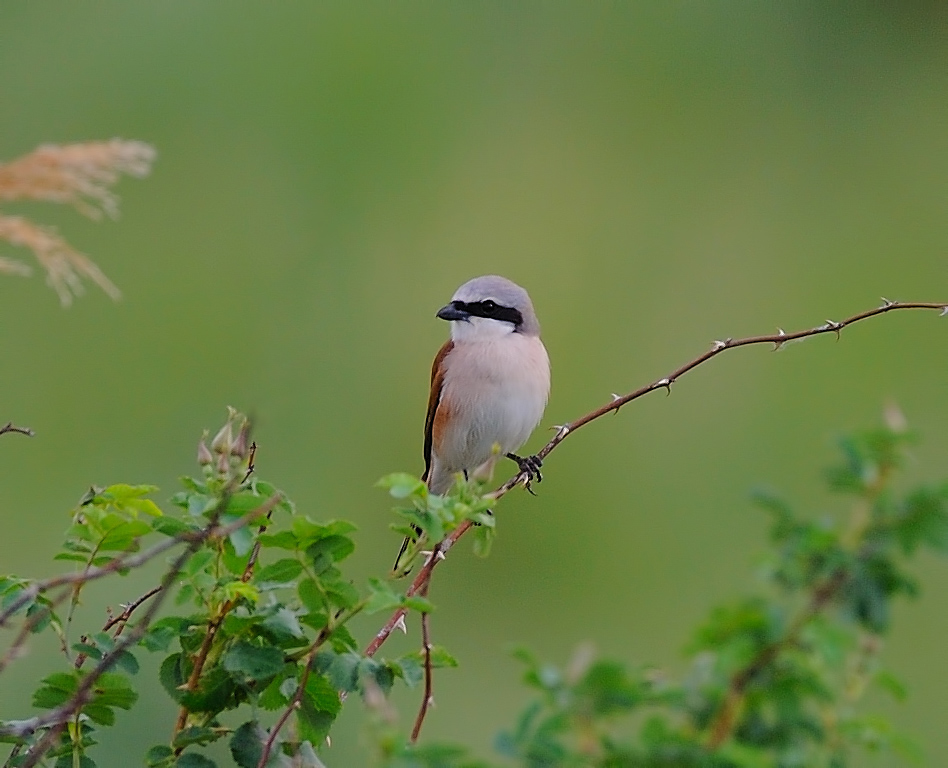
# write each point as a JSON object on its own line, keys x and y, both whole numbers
{"x": 489, "y": 384}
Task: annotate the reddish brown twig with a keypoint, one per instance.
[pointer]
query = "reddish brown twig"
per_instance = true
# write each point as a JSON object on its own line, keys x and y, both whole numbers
{"x": 427, "y": 700}
{"x": 419, "y": 583}
{"x": 119, "y": 621}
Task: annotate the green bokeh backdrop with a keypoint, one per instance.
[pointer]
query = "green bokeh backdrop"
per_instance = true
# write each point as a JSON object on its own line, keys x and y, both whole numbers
{"x": 657, "y": 174}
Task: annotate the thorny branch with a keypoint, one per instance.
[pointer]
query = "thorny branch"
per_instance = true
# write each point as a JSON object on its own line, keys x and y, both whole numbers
{"x": 118, "y": 622}
{"x": 9, "y": 428}
{"x": 423, "y": 578}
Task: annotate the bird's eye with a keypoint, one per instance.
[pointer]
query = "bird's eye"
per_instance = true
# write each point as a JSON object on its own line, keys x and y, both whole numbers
{"x": 489, "y": 306}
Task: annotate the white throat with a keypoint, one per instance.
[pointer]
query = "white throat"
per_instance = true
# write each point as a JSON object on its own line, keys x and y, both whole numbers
{"x": 480, "y": 329}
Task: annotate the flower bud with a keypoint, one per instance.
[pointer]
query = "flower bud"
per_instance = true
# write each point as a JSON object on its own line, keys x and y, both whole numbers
{"x": 204, "y": 455}
{"x": 223, "y": 439}
{"x": 239, "y": 448}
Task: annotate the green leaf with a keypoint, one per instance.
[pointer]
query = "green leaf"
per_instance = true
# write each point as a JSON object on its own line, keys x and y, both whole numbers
{"x": 410, "y": 670}
{"x": 402, "y": 485}
{"x": 323, "y": 696}
{"x": 246, "y": 745}
{"x": 340, "y": 668}
{"x": 381, "y": 597}
{"x": 161, "y": 633}
{"x": 196, "y": 735}
{"x": 194, "y": 760}
{"x": 171, "y": 526}
{"x": 334, "y": 548}
{"x": 484, "y": 539}
{"x": 284, "y": 623}
{"x": 113, "y": 690}
{"x": 74, "y": 761}
{"x": 923, "y": 519}
{"x": 253, "y": 662}
{"x": 311, "y": 596}
{"x": 56, "y": 689}
{"x": 280, "y": 540}
{"x": 342, "y": 640}
{"x": 342, "y": 594}
{"x": 419, "y": 604}
{"x": 241, "y": 539}
{"x": 173, "y": 674}
{"x": 159, "y": 756}
{"x": 201, "y": 560}
{"x": 238, "y": 590}
{"x": 122, "y": 536}
{"x": 318, "y": 709}
{"x": 282, "y": 571}
{"x": 891, "y": 685}
{"x": 99, "y": 714}
{"x": 440, "y": 657}
{"x": 216, "y": 691}
{"x": 274, "y": 696}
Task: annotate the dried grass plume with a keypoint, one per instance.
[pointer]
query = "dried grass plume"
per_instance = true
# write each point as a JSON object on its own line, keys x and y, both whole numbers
{"x": 80, "y": 175}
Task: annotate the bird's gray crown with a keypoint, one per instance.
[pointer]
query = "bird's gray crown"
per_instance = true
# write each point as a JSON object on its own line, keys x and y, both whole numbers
{"x": 504, "y": 293}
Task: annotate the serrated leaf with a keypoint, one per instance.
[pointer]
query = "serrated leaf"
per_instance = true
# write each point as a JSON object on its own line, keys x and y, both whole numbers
{"x": 284, "y": 623}
{"x": 241, "y": 539}
{"x": 412, "y": 672}
{"x": 311, "y": 596}
{"x": 171, "y": 526}
{"x": 253, "y": 662}
{"x": 194, "y": 760}
{"x": 274, "y": 696}
{"x": 280, "y": 540}
{"x": 77, "y": 558}
{"x": 282, "y": 571}
{"x": 246, "y": 745}
{"x": 195, "y": 735}
{"x": 419, "y": 604}
{"x": 158, "y": 755}
{"x": 216, "y": 691}
{"x": 173, "y": 673}
{"x": 335, "y": 548}
{"x": 55, "y": 689}
{"x": 342, "y": 594}
{"x": 99, "y": 714}
{"x": 381, "y": 597}
{"x": 113, "y": 690}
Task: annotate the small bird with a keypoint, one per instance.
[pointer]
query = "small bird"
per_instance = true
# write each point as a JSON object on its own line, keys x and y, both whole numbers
{"x": 489, "y": 384}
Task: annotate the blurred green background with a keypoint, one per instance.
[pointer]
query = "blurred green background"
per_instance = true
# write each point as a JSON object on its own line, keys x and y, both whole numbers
{"x": 658, "y": 175}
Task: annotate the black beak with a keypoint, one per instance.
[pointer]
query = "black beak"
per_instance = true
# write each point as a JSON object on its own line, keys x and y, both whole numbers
{"x": 451, "y": 312}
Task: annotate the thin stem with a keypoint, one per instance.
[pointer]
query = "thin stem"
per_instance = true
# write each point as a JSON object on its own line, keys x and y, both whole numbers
{"x": 119, "y": 621}
{"x": 427, "y": 699}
